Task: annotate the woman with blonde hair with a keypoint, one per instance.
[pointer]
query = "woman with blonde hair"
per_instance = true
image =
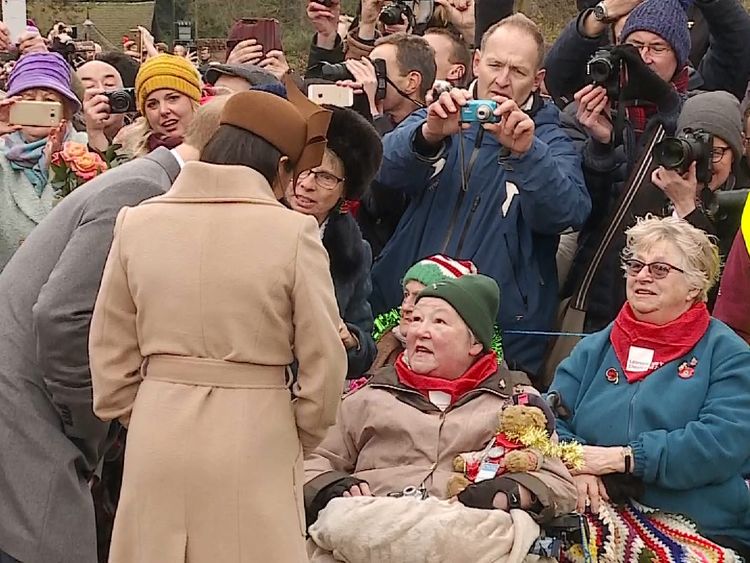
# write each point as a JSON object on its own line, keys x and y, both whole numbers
{"x": 168, "y": 91}
{"x": 661, "y": 395}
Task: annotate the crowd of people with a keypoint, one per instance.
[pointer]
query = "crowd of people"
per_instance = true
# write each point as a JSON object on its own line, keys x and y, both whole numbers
{"x": 238, "y": 325}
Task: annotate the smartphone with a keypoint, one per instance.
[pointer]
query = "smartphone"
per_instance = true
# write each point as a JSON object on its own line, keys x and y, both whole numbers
{"x": 14, "y": 16}
{"x": 340, "y": 96}
{"x": 36, "y": 114}
{"x": 135, "y": 35}
{"x": 266, "y": 31}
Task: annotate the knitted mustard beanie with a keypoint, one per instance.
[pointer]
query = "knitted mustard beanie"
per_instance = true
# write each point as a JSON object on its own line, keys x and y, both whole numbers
{"x": 438, "y": 268}
{"x": 665, "y": 18}
{"x": 167, "y": 72}
{"x": 475, "y": 297}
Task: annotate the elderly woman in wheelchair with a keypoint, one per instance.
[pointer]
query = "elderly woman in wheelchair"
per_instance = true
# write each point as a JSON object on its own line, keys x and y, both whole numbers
{"x": 423, "y": 444}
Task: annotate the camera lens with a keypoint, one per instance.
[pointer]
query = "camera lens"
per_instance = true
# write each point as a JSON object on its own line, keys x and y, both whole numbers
{"x": 484, "y": 113}
{"x": 119, "y": 102}
{"x": 599, "y": 70}
{"x": 673, "y": 154}
{"x": 334, "y": 72}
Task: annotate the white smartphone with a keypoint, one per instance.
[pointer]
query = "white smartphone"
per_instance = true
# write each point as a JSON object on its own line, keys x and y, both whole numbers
{"x": 332, "y": 94}
{"x": 14, "y": 16}
{"x": 36, "y": 114}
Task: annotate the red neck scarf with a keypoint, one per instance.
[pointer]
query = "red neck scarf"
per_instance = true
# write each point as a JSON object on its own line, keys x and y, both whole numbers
{"x": 669, "y": 341}
{"x": 481, "y": 370}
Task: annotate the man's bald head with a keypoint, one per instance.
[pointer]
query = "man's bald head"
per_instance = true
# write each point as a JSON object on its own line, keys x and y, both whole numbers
{"x": 98, "y": 75}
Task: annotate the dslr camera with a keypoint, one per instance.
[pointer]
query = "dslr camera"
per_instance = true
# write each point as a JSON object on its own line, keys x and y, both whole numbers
{"x": 479, "y": 111}
{"x": 122, "y": 101}
{"x": 678, "y": 153}
{"x": 604, "y": 69}
{"x": 394, "y": 12}
{"x": 336, "y": 72}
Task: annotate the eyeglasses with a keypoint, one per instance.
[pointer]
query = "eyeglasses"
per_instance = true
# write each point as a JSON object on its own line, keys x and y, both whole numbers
{"x": 323, "y": 179}
{"x": 717, "y": 153}
{"x": 653, "y": 48}
{"x": 659, "y": 270}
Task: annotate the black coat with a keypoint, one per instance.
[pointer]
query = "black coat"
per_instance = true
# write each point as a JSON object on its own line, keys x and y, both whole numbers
{"x": 351, "y": 260}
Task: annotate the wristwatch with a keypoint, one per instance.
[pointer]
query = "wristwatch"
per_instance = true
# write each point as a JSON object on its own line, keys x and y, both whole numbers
{"x": 601, "y": 13}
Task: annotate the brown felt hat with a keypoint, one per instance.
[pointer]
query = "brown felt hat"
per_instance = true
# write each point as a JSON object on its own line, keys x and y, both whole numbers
{"x": 295, "y": 126}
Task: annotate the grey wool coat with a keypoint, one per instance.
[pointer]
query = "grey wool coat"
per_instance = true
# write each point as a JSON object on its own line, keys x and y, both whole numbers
{"x": 50, "y": 439}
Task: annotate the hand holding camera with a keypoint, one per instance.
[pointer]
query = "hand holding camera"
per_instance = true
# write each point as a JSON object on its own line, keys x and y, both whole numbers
{"x": 444, "y": 116}
{"x": 514, "y": 128}
{"x": 96, "y": 109}
{"x": 681, "y": 189}
{"x": 593, "y": 112}
{"x": 365, "y": 81}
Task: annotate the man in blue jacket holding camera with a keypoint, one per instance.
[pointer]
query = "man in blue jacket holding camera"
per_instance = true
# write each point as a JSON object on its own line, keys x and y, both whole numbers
{"x": 496, "y": 186}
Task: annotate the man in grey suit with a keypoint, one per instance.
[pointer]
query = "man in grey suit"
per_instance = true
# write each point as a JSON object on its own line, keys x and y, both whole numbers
{"x": 50, "y": 439}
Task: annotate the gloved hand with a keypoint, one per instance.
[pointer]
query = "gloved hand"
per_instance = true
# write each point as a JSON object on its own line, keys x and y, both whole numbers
{"x": 325, "y": 495}
{"x": 482, "y": 494}
{"x": 643, "y": 83}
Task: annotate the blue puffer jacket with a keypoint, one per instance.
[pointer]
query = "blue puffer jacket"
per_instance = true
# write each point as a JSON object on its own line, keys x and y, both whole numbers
{"x": 507, "y": 221}
{"x": 689, "y": 436}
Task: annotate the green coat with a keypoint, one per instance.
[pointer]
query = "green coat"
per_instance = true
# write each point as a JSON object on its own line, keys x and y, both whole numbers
{"x": 21, "y": 209}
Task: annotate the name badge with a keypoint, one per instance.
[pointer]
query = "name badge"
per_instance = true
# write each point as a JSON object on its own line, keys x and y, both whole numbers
{"x": 639, "y": 359}
{"x": 487, "y": 471}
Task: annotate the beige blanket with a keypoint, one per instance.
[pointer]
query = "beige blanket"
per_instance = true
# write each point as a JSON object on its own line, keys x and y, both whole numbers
{"x": 407, "y": 530}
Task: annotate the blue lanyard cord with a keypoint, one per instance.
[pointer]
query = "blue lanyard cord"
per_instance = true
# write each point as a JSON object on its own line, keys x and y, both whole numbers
{"x": 585, "y": 537}
{"x": 546, "y": 333}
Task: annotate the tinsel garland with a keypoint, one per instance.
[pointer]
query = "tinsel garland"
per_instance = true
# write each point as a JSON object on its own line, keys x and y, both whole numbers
{"x": 386, "y": 322}
{"x": 570, "y": 453}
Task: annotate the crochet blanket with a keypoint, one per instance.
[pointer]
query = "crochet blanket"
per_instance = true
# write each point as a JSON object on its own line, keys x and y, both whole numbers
{"x": 408, "y": 530}
{"x": 637, "y": 534}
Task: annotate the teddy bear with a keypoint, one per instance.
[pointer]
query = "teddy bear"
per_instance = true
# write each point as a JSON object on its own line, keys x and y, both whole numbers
{"x": 518, "y": 446}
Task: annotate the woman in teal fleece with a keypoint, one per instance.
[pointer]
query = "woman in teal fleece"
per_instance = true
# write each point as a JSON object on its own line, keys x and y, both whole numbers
{"x": 663, "y": 393}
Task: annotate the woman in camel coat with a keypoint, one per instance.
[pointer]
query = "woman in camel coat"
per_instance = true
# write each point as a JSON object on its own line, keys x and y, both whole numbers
{"x": 209, "y": 292}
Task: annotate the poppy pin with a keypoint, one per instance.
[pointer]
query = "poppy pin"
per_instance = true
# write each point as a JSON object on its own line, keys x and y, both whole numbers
{"x": 686, "y": 370}
{"x": 613, "y": 376}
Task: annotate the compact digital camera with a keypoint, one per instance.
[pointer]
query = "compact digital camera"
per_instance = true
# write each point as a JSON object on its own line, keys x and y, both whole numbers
{"x": 122, "y": 101}
{"x": 479, "y": 111}
{"x": 603, "y": 69}
{"x": 678, "y": 153}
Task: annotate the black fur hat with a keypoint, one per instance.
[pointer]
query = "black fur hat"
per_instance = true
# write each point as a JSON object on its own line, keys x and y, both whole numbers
{"x": 356, "y": 142}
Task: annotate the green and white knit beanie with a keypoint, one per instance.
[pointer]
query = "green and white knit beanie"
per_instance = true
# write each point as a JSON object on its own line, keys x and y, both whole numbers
{"x": 438, "y": 268}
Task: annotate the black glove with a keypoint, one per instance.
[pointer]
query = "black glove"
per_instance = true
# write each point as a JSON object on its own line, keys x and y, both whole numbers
{"x": 643, "y": 83}
{"x": 538, "y": 402}
{"x": 481, "y": 495}
{"x": 326, "y": 494}
{"x": 622, "y": 487}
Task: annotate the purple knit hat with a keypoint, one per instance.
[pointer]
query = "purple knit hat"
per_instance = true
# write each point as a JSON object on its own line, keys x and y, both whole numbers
{"x": 665, "y": 18}
{"x": 42, "y": 70}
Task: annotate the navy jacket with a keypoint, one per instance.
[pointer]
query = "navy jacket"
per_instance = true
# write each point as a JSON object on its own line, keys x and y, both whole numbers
{"x": 507, "y": 221}
{"x": 351, "y": 260}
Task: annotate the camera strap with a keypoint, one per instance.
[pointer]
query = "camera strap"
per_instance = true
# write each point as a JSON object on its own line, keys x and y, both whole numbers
{"x": 403, "y": 94}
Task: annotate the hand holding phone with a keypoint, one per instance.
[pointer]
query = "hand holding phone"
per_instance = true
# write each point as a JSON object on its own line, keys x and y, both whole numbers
{"x": 332, "y": 94}
{"x": 244, "y": 52}
{"x": 14, "y": 16}
{"x": 266, "y": 31}
{"x": 31, "y": 113}
{"x": 6, "y": 126}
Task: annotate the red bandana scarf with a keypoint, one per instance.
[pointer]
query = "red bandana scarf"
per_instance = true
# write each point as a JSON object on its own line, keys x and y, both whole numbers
{"x": 668, "y": 342}
{"x": 481, "y": 370}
